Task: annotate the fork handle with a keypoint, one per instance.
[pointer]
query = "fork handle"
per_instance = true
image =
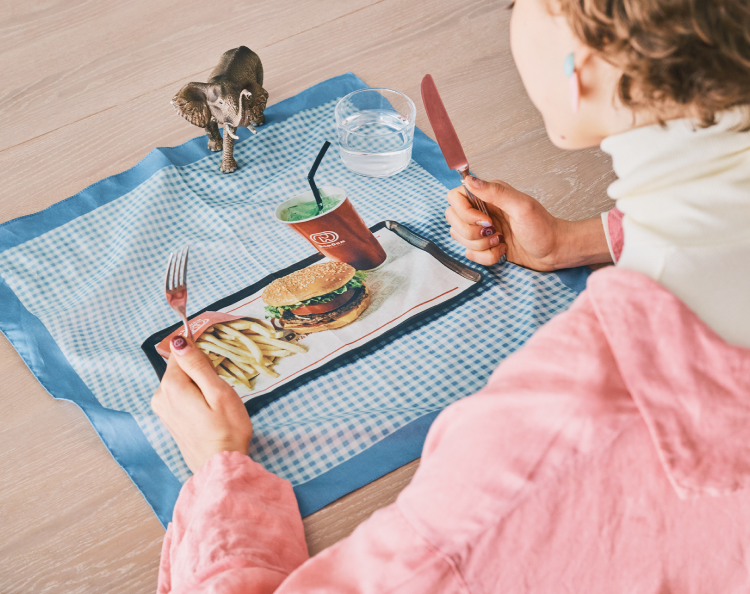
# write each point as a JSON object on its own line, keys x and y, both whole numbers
{"x": 188, "y": 332}
{"x": 475, "y": 202}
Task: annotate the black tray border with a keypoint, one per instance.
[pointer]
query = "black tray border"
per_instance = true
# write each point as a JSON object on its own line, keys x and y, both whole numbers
{"x": 255, "y": 404}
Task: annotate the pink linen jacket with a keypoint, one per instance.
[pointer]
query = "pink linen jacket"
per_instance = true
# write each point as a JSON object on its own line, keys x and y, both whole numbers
{"x": 610, "y": 454}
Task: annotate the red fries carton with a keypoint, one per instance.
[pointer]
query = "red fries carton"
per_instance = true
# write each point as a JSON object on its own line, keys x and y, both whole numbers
{"x": 198, "y": 325}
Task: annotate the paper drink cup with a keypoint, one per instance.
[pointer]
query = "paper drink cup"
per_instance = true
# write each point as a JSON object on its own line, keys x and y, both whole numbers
{"x": 339, "y": 234}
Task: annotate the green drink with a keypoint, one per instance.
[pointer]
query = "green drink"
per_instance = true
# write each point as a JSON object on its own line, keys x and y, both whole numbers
{"x": 307, "y": 210}
{"x": 337, "y": 232}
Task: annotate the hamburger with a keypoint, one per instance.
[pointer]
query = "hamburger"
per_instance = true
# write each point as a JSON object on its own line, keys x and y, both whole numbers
{"x": 320, "y": 297}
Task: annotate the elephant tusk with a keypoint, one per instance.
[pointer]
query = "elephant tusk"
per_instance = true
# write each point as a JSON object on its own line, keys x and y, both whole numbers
{"x": 228, "y": 131}
{"x": 252, "y": 129}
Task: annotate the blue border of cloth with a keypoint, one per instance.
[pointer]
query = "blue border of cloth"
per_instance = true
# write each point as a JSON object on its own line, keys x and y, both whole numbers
{"x": 118, "y": 430}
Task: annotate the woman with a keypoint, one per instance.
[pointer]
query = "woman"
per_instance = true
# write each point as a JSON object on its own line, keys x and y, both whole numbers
{"x": 612, "y": 452}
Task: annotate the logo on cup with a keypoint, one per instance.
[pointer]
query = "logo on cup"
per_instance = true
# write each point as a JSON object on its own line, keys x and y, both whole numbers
{"x": 324, "y": 238}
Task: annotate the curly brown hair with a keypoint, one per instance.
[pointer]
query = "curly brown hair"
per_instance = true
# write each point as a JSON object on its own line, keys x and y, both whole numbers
{"x": 686, "y": 53}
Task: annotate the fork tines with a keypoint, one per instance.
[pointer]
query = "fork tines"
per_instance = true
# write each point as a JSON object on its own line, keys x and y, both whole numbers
{"x": 175, "y": 285}
{"x": 177, "y": 269}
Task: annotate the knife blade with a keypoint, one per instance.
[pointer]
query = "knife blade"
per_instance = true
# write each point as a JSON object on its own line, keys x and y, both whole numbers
{"x": 448, "y": 140}
{"x": 445, "y": 133}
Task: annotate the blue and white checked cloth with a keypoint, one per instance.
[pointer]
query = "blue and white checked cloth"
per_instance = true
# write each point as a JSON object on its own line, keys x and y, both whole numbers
{"x": 95, "y": 284}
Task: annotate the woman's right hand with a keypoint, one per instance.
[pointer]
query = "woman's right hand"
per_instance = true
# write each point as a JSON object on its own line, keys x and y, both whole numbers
{"x": 526, "y": 233}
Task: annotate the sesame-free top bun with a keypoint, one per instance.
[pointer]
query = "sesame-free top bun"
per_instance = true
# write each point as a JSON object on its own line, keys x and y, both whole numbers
{"x": 307, "y": 283}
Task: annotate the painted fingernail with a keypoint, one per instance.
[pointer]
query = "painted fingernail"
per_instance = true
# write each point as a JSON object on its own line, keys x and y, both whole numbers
{"x": 484, "y": 223}
{"x": 475, "y": 181}
{"x": 494, "y": 240}
{"x": 180, "y": 345}
{"x": 487, "y": 231}
{"x": 501, "y": 238}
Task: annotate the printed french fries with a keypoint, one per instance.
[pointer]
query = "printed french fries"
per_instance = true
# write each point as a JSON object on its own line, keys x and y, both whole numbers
{"x": 248, "y": 342}
{"x": 215, "y": 359}
{"x": 282, "y": 344}
{"x": 242, "y": 350}
{"x": 255, "y": 327}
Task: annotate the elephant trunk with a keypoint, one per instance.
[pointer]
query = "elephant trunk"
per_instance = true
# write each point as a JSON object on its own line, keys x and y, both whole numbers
{"x": 240, "y": 114}
{"x": 240, "y": 106}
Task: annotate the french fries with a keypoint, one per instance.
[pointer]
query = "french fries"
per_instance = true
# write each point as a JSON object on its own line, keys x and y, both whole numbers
{"x": 242, "y": 350}
{"x": 282, "y": 344}
{"x": 255, "y": 327}
{"x": 251, "y": 346}
{"x": 215, "y": 359}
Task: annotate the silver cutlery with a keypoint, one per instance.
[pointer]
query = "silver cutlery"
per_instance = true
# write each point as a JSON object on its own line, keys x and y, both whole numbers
{"x": 175, "y": 285}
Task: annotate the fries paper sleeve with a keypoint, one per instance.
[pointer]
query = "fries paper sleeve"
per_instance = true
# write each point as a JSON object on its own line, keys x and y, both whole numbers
{"x": 198, "y": 325}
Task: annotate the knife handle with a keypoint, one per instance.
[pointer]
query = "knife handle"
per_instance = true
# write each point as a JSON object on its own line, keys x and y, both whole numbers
{"x": 475, "y": 202}
{"x": 479, "y": 205}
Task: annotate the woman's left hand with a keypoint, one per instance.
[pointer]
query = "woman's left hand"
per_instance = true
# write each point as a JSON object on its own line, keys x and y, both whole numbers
{"x": 201, "y": 411}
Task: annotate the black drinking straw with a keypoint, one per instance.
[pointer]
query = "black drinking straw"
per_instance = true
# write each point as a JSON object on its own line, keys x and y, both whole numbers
{"x": 311, "y": 175}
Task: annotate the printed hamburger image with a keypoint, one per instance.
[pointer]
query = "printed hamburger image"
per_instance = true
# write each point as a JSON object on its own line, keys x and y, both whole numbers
{"x": 320, "y": 297}
{"x": 263, "y": 361}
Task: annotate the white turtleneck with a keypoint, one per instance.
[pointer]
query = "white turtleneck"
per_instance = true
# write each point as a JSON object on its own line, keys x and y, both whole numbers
{"x": 685, "y": 195}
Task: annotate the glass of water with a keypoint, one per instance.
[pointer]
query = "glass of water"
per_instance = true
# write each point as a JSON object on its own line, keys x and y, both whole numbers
{"x": 376, "y": 131}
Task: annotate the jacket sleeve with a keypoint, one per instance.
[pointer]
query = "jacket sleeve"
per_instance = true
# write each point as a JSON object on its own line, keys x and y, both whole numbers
{"x": 234, "y": 525}
{"x": 237, "y": 528}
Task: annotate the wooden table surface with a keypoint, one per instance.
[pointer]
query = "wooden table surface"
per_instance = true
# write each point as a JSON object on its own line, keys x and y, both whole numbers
{"x": 87, "y": 85}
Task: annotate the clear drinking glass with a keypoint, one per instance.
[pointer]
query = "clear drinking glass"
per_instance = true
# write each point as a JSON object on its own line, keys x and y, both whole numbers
{"x": 376, "y": 131}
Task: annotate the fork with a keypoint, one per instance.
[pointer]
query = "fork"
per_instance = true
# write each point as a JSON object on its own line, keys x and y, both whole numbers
{"x": 175, "y": 285}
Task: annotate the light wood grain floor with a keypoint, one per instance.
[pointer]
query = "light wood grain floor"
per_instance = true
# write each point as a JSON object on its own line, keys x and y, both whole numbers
{"x": 85, "y": 94}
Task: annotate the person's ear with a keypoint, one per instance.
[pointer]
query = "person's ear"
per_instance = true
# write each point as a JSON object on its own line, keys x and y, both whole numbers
{"x": 577, "y": 66}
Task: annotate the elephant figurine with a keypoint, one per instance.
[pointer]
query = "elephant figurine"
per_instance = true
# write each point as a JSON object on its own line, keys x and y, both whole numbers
{"x": 233, "y": 97}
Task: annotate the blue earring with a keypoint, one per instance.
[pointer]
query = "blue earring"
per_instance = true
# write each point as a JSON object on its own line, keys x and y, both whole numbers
{"x": 569, "y": 67}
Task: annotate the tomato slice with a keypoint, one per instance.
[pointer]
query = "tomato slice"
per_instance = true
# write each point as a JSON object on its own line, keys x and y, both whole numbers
{"x": 318, "y": 308}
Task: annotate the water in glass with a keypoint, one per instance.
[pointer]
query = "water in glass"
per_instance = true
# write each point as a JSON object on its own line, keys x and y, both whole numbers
{"x": 376, "y": 131}
{"x": 376, "y": 142}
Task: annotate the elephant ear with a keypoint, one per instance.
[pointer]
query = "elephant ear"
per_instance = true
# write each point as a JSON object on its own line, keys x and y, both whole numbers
{"x": 191, "y": 104}
{"x": 254, "y": 105}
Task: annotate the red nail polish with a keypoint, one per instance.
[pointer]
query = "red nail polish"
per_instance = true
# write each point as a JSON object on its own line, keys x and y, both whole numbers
{"x": 487, "y": 231}
{"x": 179, "y": 343}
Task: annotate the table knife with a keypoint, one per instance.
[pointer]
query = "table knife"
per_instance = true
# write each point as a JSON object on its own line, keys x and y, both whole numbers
{"x": 424, "y": 244}
{"x": 446, "y": 136}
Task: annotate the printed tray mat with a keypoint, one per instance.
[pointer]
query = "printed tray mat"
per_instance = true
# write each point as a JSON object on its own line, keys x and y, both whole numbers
{"x": 416, "y": 279}
{"x": 82, "y": 284}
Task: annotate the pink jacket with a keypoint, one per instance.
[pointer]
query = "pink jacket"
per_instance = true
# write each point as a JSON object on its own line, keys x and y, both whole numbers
{"x": 609, "y": 454}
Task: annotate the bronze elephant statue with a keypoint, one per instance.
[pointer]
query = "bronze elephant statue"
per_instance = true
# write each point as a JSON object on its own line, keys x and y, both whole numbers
{"x": 233, "y": 97}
